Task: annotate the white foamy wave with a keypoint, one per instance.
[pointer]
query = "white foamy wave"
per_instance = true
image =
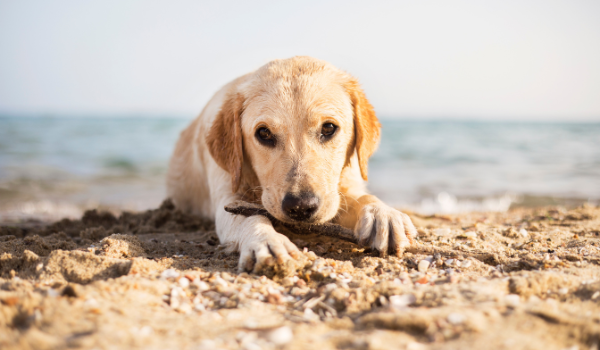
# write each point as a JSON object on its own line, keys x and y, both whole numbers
{"x": 41, "y": 210}
{"x": 446, "y": 203}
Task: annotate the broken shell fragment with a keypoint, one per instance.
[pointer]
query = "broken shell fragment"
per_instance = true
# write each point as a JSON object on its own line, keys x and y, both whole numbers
{"x": 423, "y": 265}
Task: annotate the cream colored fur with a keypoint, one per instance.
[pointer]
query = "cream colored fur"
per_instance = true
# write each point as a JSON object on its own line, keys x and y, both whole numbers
{"x": 293, "y": 98}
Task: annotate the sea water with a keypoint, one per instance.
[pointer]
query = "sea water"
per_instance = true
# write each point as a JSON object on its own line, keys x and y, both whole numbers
{"x": 427, "y": 166}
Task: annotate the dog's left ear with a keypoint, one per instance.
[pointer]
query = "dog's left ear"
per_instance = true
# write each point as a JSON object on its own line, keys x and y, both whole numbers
{"x": 224, "y": 139}
{"x": 366, "y": 126}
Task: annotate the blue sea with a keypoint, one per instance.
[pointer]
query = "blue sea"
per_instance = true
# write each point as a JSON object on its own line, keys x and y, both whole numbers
{"x": 59, "y": 165}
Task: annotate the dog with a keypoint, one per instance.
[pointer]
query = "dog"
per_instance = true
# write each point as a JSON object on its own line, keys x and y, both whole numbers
{"x": 296, "y": 136}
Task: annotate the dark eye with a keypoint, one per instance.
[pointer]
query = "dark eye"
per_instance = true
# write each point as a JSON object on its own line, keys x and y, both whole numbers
{"x": 327, "y": 131}
{"x": 265, "y": 136}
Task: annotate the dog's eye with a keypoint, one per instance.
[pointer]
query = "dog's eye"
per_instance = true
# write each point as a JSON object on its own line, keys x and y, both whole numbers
{"x": 265, "y": 137}
{"x": 327, "y": 131}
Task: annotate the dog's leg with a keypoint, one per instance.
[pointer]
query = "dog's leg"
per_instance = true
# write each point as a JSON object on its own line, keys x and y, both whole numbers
{"x": 255, "y": 238}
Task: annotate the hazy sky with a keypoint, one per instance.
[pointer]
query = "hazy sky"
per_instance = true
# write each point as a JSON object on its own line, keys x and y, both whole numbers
{"x": 463, "y": 59}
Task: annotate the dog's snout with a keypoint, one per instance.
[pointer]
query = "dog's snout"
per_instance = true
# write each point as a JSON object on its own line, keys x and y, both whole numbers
{"x": 300, "y": 207}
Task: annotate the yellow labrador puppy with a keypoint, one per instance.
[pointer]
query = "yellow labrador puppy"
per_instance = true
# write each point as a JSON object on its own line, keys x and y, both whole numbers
{"x": 295, "y": 135}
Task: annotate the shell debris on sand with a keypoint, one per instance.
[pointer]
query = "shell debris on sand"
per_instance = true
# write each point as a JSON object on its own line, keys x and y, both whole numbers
{"x": 159, "y": 277}
{"x": 423, "y": 265}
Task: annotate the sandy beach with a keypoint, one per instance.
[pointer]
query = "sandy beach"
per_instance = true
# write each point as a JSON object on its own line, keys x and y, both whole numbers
{"x": 479, "y": 120}
{"x": 524, "y": 279}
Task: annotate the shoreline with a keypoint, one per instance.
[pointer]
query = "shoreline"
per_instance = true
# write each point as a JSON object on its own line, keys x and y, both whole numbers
{"x": 160, "y": 279}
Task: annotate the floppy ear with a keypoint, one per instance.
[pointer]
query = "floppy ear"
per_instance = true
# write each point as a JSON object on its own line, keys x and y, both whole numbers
{"x": 224, "y": 139}
{"x": 366, "y": 126}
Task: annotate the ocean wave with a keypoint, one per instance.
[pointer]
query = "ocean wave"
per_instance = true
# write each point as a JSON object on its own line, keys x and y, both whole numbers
{"x": 446, "y": 203}
{"x": 44, "y": 210}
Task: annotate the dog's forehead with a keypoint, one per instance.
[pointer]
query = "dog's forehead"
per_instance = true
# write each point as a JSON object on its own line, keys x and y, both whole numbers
{"x": 304, "y": 97}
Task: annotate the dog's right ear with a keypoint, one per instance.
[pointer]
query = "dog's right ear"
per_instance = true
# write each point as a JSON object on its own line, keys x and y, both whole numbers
{"x": 224, "y": 139}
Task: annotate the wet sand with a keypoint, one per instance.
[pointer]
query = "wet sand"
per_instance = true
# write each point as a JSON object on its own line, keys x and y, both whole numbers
{"x": 525, "y": 279}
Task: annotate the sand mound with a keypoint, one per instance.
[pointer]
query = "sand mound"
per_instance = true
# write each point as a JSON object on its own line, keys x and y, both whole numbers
{"x": 122, "y": 246}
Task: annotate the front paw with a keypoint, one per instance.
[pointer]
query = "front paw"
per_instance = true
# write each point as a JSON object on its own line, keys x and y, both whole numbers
{"x": 385, "y": 229}
{"x": 267, "y": 253}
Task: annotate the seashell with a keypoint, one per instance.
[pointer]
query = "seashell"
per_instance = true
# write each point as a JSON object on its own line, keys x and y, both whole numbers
{"x": 423, "y": 265}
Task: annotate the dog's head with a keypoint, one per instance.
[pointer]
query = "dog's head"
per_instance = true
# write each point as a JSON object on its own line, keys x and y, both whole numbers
{"x": 287, "y": 131}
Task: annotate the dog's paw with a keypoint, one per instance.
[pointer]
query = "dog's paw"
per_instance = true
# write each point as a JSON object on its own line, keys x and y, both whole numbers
{"x": 267, "y": 253}
{"x": 384, "y": 228}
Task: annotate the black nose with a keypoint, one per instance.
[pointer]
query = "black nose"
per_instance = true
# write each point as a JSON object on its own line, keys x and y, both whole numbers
{"x": 300, "y": 207}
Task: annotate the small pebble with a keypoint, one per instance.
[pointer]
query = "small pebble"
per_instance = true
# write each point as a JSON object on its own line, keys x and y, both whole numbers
{"x": 330, "y": 287}
{"x": 595, "y": 295}
{"x": 563, "y": 291}
{"x": 402, "y": 301}
{"x": 422, "y": 280}
{"x": 442, "y": 231}
{"x": 184, "y": 282}
{"x": 91, "y": 303}
{"x": 512, "y": 300}
{"x": 465, "y": 264}
{"x": 201, "y": 285}
{"x": 449, "y": 262}
{"x": 533, "y": 299}
{"x": 456, "y": 318}
{"x": 471, "y": 234}
{"x": 221, "y": 282}
{"x": 523, "y": 232}
{"x": 423, "y": 265}
{"x": 146, "y": 331}
{"x": 280, "y": 336}
{"x": 309, "y": 315}
{"x": 185, "y": 308}
{"x": 169, "y": 273}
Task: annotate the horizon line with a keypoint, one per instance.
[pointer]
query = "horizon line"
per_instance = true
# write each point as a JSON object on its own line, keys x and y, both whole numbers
{"x": 383, "y": 117}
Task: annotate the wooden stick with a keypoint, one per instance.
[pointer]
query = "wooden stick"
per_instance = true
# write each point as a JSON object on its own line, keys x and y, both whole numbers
{"x": 344, "y": 234}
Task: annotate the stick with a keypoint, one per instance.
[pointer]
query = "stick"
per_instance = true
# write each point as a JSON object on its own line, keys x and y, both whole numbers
{"x": 336, "y": 231}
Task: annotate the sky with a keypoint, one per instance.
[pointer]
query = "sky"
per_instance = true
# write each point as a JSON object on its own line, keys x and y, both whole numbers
{"x": 496, "y": 60}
